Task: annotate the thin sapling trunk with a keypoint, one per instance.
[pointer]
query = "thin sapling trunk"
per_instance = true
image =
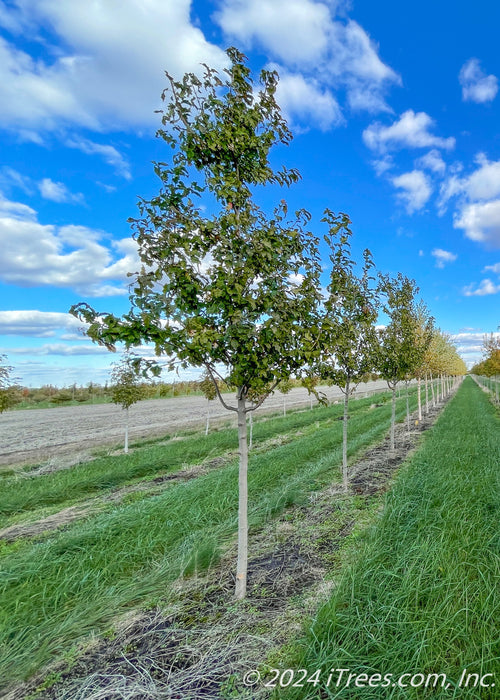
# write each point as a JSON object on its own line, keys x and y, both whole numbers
{"x": 344, "y": 436}
{"x": 241, "y": 568}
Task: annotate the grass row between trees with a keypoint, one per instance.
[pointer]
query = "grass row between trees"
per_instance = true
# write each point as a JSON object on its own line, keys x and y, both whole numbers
{"x": 423, "y": 596}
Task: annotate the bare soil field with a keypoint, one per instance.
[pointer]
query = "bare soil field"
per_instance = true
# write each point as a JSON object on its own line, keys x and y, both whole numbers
{"x": 33, "y": 435}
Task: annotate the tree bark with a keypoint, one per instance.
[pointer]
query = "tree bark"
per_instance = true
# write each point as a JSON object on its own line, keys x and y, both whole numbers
{"x": 125, "y": 447}
{"x": 393, "y": 416}
{"x": 242, "y": 564}
{"x": 344, "y": 437}
{"x": 419, "y": 400}
{"x": 208, "y": 418}
{"x": 407, "y": 408}
{"x": 426, "y": 394}
{"x": 432, "y": 391}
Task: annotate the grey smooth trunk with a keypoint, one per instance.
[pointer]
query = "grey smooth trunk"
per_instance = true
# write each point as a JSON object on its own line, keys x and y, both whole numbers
{"x": 242, "y": 564}
{"x": 344, "y": 437}
{"x": 125, "y": 448}
{"x": 393, "y": 417}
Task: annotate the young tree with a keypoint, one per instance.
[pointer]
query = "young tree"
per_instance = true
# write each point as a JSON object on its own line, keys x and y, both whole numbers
{"x": 126, "y": 389}
{"x": 423, "y": 336}
{"x": 396, "y": 356}
{"x": 237, "y": 289}
{"x": 348, "y": 327}
{"x": 9, "y": 393}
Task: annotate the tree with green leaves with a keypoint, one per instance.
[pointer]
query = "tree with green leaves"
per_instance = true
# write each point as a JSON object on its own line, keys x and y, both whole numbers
{"x": 223, "y": 285}
{"x": 348, "y": 325}
{"x": 397, "y": 357}
{"x": 126, "y": 389}
{"x": 424, "y": 330}
{"x": 9, "y": 393}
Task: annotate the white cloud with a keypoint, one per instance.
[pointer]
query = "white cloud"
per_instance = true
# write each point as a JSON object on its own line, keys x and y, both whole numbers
{"x": 304, "y": 99}
{"x": 304, "y": 35}
{"x": 481, "y": 222}
{"x": 432, "y": 161}
{"x": 484, "y": 183}
{"x": 296, "y": 31}
{"x": 11, "y": 179}
{"x": 382, "y": 165}
{"x": 485, "y": 288}
{"x": 411, "y": 130}
{"x": 109, "y": 153}
{"x": 443, "y": 257}
{"x": 110, "y": 73}
{"x": 494, "y": 268}
{"x": 476, "y": 85}
{"x": 34, "y": 254}
{"x": 37, "y": 324}
{"x": 58, "y": 192}
{"x": 416, "y": 189}
{"x": 60, "y": 349}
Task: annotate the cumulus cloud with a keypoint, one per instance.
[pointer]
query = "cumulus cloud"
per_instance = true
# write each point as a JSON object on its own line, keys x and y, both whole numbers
{"x": 411, "y": 130}
{"x": 37, "y": 324}
{"x": 485, "y": 288}
{"x": 304, "y": 100}
{"x": 304, "y": 35}
{"x": 432, "y": 161}
{"x": 478, "y": 201}
{"x": 58, "y": 192}
{"x": 493, "y": 268}
{"x": 480, "y": 222}
{"x": 35, "y": 254}
{"x": 110, "y": 73}
{"x": 416, "y": 189}
{"x": 443, "y": 257}
{"x": 476, "y": 85}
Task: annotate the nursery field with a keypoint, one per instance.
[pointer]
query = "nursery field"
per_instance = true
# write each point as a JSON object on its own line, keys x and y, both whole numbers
{"x": 38, "y": 433}
{"x": 117, "y": 574}
{"x": 80, "y": 546}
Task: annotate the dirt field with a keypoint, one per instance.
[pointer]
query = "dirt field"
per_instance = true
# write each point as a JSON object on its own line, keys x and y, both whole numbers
{"x": 38, "y": 434}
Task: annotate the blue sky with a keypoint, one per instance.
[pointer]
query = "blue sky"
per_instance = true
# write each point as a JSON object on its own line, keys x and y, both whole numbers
{"x": 396, "y": 116}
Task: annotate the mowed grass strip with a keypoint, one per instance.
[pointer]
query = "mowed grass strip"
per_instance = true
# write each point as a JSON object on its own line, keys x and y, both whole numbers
{"x": 56, "y": 591}
{"x": 25, "y": 492}
{"x": 424, "y": 594}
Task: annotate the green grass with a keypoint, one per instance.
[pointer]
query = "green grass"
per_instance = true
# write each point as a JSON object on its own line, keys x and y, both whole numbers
{"x": 23, "y": 493}
{"x": 423, "y": 596}
{"x": 58, "y": 590}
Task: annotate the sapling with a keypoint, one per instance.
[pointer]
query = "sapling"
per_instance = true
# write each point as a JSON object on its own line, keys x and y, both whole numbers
{"x": 126, "y": 389}
{"x": 223, "y": 286}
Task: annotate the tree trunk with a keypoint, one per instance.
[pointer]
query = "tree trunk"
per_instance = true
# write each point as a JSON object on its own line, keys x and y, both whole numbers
{"x": 426, "y": 394}
{"x": 419, "y": 401}
{"x": 432, "y": 392}
{"x": 208, "y": 418}
{"x": 344, "y": 437}
{"x": 393, "y": 417}
{"x": 125, "y": 448}
{"x": 407, "y": 408}
{"x": 250, "y": 441}
{"x": 241, "y": 567}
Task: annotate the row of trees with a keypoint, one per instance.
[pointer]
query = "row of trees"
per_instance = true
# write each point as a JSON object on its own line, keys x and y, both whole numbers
{"x": 490, "y": 364}
{"x": 226, "y": 288}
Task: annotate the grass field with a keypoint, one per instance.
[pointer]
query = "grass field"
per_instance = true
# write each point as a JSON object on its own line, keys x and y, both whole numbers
{"x": 59, "y": 587}
{"x": 423, "y": 596}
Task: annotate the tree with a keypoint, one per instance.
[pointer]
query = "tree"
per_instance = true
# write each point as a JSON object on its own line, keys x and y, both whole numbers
{"x": 348, "y": 327}
{"x": 8, "y": 391}
{"x": 234, "y": 292}
{"x": 423, "y": 336}
{"x": 396, "y": 356}
{"x": 126, "y": 389}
